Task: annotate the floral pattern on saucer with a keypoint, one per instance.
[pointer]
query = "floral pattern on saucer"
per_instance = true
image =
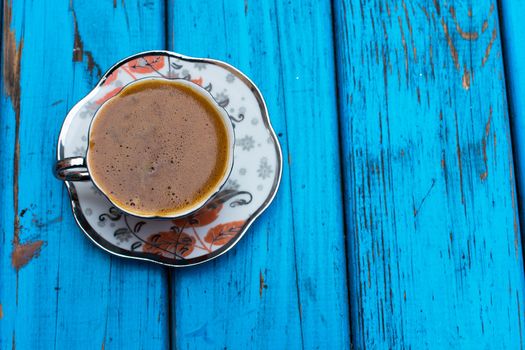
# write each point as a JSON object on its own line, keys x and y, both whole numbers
{"x": 216, "y": 227}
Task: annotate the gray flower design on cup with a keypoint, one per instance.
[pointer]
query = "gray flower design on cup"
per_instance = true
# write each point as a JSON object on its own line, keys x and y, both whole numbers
{"x": 222, "y": 99}
{"x": 141, "y": 62}
{"x": 199, "y": 66}
{"x": 88, "y": 111}
{"x": 122, "y": 235}
{"x": 232, "y": 184}
{"x": 185, "y": 74}
{"x": 246, "y": 143}
{"x": 265, "y": 170}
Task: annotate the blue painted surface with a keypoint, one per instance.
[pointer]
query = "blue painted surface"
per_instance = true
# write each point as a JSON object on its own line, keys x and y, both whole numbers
{"x": 514, "y": 56}
{"x": 435, "y": 253}
{"x": 396, "y": 224}
{"x": 284, "y": 285}
{"x": 72, "y": 295}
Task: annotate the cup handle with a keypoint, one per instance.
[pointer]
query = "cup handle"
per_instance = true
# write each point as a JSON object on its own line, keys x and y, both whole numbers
{"x": 72, "y": 169}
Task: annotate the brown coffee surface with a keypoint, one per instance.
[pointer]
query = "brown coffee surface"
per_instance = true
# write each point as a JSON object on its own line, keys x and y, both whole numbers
{"x": 157, "y": 148}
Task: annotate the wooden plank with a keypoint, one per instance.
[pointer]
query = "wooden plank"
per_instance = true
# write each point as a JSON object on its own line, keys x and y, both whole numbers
{"x": 284, "y": 285}
{"x": 58, "y": 290}
{"x": 433, "y": 231}
{"x": 511, "y": 13}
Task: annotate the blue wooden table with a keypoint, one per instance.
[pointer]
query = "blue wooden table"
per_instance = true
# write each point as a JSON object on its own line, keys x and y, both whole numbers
{"x": 397, "y": 223}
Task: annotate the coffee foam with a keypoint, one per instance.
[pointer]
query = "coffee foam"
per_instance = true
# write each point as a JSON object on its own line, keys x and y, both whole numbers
{"x": 157, "y": 148}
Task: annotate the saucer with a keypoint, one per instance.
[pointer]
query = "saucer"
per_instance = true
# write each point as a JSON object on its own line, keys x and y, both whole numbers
{"x": 222, "y": 222}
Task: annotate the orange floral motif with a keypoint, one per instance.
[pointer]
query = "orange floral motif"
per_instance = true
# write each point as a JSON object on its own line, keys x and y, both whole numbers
{"x": 170, "y": 243}
{"x": 223, "y": 233}
{"x": 111, "y": 77}
{"x": 203, "y": 217}
{"x": 197, "y": 81}
{"x": 108, "y": 95}
{"x": 146, "y": 64}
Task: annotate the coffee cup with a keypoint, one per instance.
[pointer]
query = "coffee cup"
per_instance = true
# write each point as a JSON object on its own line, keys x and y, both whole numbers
{"x": 160, "y": 148}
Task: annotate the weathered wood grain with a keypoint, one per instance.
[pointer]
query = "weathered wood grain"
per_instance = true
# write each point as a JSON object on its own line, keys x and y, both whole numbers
{"x": 433, "y": 231}
{"x": 511, "y": 16}
{"x": 57, "y": 289}
{"x": 284, "y": 285}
